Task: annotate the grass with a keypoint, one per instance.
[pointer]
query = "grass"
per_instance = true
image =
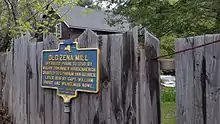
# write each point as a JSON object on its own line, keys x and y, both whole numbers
{"x": 168, "y": 113}
{"x": 168, "y": 106}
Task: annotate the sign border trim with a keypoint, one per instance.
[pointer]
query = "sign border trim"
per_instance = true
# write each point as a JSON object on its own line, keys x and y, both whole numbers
{"x": 67, "y": 98}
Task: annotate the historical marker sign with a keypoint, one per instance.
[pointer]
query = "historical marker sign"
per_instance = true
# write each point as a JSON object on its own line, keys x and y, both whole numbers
{"x": 70, "y": 69}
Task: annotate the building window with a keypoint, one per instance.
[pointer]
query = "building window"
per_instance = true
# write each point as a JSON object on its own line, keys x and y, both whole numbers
{"x": 58, "y": 30}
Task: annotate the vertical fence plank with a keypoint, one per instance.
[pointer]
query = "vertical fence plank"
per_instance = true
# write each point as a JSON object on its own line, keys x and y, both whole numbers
{"x": 180, "y": 83}
{"x": 18, "y": 64}
{"x": 144, "y": 103}
{"x": 40, "y": 90}
{"x": 7, "y": 90}
{"x": 105, "y": 84}
{"x": 3, "y": 71}
{"x": 152, "y": 77}
{"x": 129, "y": 77}
{"x": 25, "y": 84}
{"x": 197, "y": 81}
{"x": 189, "y": 84}
{"x": 115, "y": 78}
{"x": 124, "y": 97}
{"x": 3, "y": 67}
{"x": 87, "y": 40}
{"x": 33, "y": 83}
{"x": 93, "y": 42}
{"x": 211, "y": 85}
{"x": 15, "y": 86}
{"x": 216, "y": 86}
{"x": 187, "y": 69}
{"x": 136, "y": 75}
{"x": 49, "y": 43}
{"x": 208, "y": 81}
{"x": 80, "y": 105}
{"x": 56, "y": 110}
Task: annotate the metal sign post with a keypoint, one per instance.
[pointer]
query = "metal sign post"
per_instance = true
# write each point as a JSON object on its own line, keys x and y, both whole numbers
{"x": 67, "y": 113}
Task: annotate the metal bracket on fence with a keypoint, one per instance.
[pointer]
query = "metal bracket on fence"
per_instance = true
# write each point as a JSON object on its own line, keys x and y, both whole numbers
{"x": 67, "y": 107}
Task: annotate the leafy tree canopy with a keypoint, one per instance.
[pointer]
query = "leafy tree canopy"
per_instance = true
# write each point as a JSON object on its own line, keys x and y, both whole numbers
{"x": 33, "y": 16}
{"x": 169, "y": 19}
{"x": 180, "y": 17}
{"x": 19, "y": 16}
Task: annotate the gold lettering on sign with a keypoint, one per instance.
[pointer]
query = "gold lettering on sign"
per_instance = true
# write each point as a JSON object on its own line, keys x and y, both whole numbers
{"x": 85, "y": 79}
{"x": 78, "y": 57}
{"x": 87, "y": 85}
{"x": 49, "y": 77}
{"x": 48, "y": 82}
{"x": 70, "y": 71}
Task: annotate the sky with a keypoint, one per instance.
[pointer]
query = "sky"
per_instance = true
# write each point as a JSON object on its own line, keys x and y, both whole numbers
{"x": 104, "y": 4}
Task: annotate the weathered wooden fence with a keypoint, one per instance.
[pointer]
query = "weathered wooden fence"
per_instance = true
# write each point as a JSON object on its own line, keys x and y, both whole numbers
{"x": 198, "y": 80}
{"x": 129, "y": 83}
{"x": 2, "y": 72}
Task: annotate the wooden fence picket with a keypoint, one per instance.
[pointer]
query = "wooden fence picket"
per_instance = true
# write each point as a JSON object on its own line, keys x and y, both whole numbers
{"x": 129, "y": 87}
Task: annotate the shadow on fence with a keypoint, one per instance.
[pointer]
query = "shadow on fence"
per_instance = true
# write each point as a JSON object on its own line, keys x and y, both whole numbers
{"x": 129, "y": 87}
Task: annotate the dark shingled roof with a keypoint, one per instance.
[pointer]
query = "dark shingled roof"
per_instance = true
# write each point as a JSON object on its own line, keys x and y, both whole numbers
{"x": 77, "y": 17}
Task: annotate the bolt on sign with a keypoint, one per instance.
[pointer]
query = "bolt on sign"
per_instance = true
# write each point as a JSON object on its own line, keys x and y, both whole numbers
{"x": 70, "y": 69}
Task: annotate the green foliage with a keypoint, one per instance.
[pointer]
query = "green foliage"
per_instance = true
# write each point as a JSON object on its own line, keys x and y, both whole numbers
{"x": 33, "y": 16}
{"x": 168, "y": 105}
{"x": 167, "y": 45}
{"x": 180, "y": 17}
{"x": 168, "y": 19}
{"x": 168, "y": 110}
{"x": 168, "y": 94}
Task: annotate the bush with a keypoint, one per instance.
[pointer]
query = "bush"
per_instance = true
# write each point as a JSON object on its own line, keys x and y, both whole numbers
{"x": 168, "y": 94}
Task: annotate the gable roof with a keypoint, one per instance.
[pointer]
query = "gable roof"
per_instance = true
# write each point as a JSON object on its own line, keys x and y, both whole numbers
{"x": 77, "y": 17}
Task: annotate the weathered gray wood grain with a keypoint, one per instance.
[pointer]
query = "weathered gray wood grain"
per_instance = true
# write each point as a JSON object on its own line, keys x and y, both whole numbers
{"x": 137, "y": 75}
{"x": 3, "y": 71}
{"x": 20, "y": 85}
{"x": 61, "y": 111}
{"x": 117, "y": 116}
{"x": 80, "y": 105}
{"x": 152, "y": 75}
{"x": 126, "y": 95}
{"x": 25, "y": 83}
{"x": 129, "y": 76}
{"x": 49, "y": 43}
{"x": 197, "y": 81}
{"x": 188, "y": 81}
{"x": 93, "y": 42}
{"x": 190, "y": 111}
{"x": 144, "y": 103}
{"x": 55, "y": 107}
{"x": 180, "y": 84}
{"x": 40, "y": 91}
{"x": 7, "y": 89}
{"x": 106, "y": 109}
{"x": 33, "y": 84}
{"x": 15, "y": 83}
{"x": 104, "y": 112}
{"x": 210, "y": 80}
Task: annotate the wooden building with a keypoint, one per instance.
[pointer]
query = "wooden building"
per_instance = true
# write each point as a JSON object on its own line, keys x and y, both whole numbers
{"x": 77, "y": 19}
